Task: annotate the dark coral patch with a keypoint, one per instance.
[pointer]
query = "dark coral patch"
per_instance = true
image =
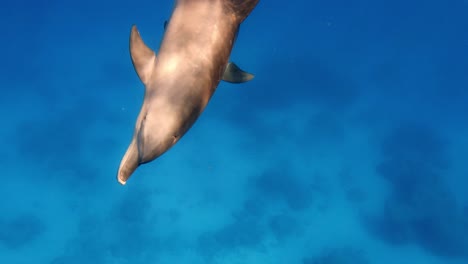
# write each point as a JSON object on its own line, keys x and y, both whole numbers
{"x": 21, "y": 230}
{"x": 420, "y": 208}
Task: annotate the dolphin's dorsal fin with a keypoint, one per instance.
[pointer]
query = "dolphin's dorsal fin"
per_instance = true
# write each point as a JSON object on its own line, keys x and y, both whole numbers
{"x": 234, "y": 74}
{"x": 143, "y": 58}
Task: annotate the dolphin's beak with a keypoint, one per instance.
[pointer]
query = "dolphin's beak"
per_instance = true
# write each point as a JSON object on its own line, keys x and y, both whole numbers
{"x": 129, "y": 163}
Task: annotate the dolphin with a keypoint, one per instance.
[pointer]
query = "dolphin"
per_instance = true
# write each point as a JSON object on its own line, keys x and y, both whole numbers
{"x": 193, "y": 58}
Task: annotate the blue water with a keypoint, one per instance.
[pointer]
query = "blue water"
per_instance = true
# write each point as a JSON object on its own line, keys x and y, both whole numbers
{"x": 348, "y": 146}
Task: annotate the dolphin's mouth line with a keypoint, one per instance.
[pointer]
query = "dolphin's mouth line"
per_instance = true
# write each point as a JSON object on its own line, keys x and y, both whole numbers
{"x": 140, "y": 140}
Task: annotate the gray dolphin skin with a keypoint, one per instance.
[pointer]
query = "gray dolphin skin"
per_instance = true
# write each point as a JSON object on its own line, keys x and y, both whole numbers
{"x": 180, "y": 80}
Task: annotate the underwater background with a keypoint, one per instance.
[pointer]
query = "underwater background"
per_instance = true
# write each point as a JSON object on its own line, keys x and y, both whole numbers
{"x": 350, "y": 145}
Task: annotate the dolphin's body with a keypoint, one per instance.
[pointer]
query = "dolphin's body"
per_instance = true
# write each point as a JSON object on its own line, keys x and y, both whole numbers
{"x": 181, "y": 79}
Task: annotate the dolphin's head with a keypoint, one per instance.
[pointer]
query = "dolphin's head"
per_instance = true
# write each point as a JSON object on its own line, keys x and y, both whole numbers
{"x": 156, "y": 131}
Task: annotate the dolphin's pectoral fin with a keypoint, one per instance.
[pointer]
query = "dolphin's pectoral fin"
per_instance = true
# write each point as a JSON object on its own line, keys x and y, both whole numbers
{"x": 242, "y": 8}
{"x": 143, "y": 58}
{"x": 234, "y": 74}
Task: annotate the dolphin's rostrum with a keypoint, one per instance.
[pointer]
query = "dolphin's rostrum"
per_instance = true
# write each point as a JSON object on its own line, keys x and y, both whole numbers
{"x": 180, "y": 80}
